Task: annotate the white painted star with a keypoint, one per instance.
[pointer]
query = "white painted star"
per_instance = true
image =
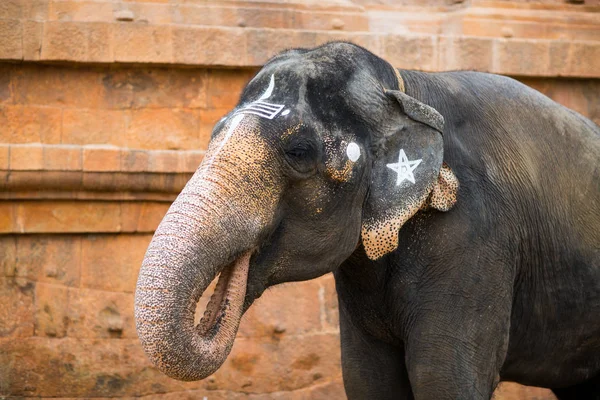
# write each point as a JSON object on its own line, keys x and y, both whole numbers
{"x": 404, "y": 168}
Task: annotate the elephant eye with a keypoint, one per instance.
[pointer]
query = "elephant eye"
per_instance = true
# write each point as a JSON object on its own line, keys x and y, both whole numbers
{"x": 298, "y": 151}
{"x": 301, "y": 155}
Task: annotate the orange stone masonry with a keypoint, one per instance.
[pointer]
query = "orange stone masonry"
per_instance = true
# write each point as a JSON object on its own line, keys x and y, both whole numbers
{"x": 106, "y": 110}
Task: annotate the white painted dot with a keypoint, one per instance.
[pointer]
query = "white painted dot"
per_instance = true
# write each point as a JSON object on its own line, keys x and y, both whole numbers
{"x": 353, "y": 151}
{"x": 285, "y": 112}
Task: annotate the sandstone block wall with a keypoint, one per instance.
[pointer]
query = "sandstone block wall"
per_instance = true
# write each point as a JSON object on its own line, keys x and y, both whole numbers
{"x": 106, "y": 109}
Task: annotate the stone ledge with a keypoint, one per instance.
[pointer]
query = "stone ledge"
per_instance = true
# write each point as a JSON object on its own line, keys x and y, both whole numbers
{"x": 54, "y": 216}
{"x": 38, "y": 171}
{"x": 96, "y": 158}
{"x": 109, "y": 186}
{"x": 104, "y": 42}
{"x": 416, "y": 16}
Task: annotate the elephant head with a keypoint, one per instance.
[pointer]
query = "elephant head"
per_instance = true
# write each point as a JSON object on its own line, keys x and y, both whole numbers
{"x": 324, "y": 148}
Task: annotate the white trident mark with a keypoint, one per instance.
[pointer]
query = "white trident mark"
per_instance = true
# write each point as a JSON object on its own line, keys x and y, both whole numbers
{"x": 269, "y": 90}
{"x": 404, "y": 168}
{"x": 262, "y": 108}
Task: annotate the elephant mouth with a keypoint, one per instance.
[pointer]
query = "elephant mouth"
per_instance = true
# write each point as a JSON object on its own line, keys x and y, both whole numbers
{"x": 225, "y": 308}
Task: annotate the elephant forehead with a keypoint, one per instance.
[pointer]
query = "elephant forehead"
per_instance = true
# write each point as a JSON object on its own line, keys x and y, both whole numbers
{"x": 240, "y": 167}
{"x": 241, "y": 139}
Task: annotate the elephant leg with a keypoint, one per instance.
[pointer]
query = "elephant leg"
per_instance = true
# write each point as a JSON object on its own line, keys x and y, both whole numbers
{"x": 455, "y": 348}
{"x": 589, "y": 390}
{"x": 372, "y": 369}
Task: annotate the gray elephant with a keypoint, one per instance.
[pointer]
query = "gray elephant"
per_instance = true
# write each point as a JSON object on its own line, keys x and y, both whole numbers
{"x": 458, "y": 211}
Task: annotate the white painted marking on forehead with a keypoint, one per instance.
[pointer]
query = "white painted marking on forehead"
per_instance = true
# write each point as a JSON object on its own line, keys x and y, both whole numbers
{"x": 262, "y": 108}
{"x": 269, "y": 90}
{"x": 234, "y": 124}
{"x": 353, "y": 151}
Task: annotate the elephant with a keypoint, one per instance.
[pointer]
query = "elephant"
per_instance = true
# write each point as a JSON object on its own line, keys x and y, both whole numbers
{"x": 459, "y": 213}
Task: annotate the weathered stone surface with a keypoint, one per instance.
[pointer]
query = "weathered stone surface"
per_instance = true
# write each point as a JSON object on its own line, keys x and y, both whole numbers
{"x": 142, "y": 217}
{"x": 33, "y": 217}
{"x": 17, "y": 311}
{"x": 26, "y": 158}
{"x": 192, "y": 160}
{"x": 135, "y": 161}
{"x": 99, "y": 314}
{"x": 112, "y": 262}
{"x": 136, "y": 42}
{"x": 580, "y": 95}
{"x": 583, "y": 59}
{"x": 322, "y": 391}
{"x": 81, "y": 368}
{"x": 77, "y": 41}
{"x": 47, "y": 258}
{"x": 11, "y": 9}
{"x": 458, "y": 52}
{"x": 6, "y": 71}
{"x": 225, "y": 87}
{"x": 67, "y": 217}
{"x": 36, "y": 85}
{"x": 101, "y": 159}
{"x": 154, "y": 88}
{"x": 521, "y": 57}
{"x": 4, "y": 157}
{"x": 62, "y": 158}
{"x": 290, "y": 363}
{"x": 165, "y": 160}
{"x": 284, "y": 310}
{"x": 262, "y": 44}
{"x": 191, "y": 44}
{"x": 94, "y": 126}
{"x": 513, "y": 391}
{"x": 7, "y": 217}
{"x": 411, "y": 52}
{"x": 81, "y": 11}
{"x": 117, "y": 367}
{"x": 30, "y": 124}
{"x": 208, "y": 119}
{"x": 32, "y": 39}
{"x": 50, "y": 310}
{"x": 329, "y": 304}
{"x": 172, "y": 129}
{"x": 8, "y": 256}
{"x": 11, "y": 46}
{"x": 35, "y": 10}
{"x": 247, "y": 35}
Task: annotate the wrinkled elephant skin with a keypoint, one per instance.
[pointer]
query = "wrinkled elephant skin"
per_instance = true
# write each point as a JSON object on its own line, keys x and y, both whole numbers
{"x": 458, "y": 211}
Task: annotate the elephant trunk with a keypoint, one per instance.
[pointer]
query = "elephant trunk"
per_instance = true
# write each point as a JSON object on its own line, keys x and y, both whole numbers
{"x": 211, "y": 228}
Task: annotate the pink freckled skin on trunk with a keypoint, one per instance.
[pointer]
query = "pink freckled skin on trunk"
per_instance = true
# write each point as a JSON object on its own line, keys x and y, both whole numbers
{"x": 211, "y": 228}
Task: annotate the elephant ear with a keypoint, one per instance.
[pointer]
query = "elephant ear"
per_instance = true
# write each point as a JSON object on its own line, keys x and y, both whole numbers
{"x": 407, "y": 163}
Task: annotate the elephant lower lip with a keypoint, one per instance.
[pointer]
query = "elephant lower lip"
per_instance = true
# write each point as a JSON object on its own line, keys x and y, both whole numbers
{"x": 227, "y": 299}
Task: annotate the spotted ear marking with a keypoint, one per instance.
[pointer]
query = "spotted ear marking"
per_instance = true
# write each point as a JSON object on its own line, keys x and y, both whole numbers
{"x": 407, "y": 173}
{"x": 445, "y": 190}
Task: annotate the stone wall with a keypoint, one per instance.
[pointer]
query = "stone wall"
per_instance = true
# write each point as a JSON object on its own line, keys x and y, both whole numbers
{"x": 106, "y": 108}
